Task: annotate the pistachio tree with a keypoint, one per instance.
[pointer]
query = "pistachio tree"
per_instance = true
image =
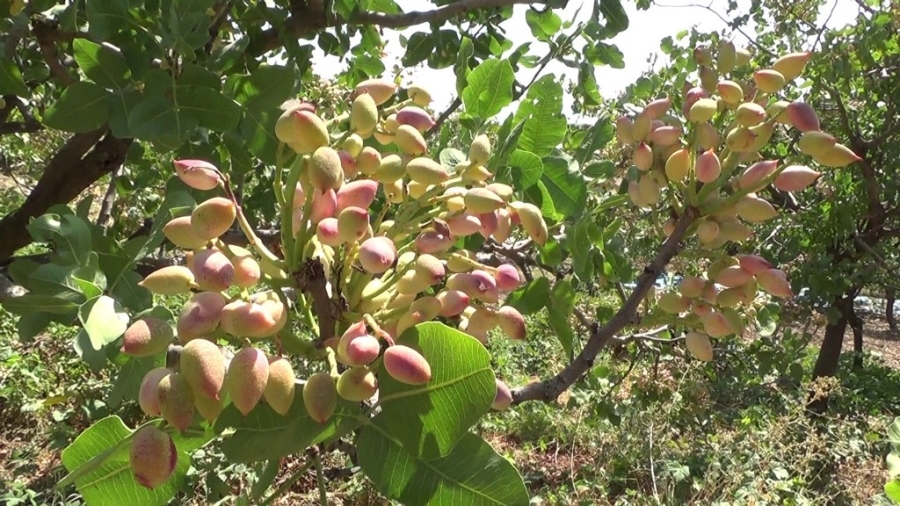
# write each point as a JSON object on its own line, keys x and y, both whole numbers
{"x": 338, "y": 259}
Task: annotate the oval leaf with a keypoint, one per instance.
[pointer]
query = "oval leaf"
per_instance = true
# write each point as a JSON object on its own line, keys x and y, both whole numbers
{"x": 82, "y": 107}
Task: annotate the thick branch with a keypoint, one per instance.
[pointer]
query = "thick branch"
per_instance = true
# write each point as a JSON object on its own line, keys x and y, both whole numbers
{"x": 71, "y": 170}
{"x": 46, "y": 32}
{"x": 307, "y": 20}
{"x": 549, "y": 389}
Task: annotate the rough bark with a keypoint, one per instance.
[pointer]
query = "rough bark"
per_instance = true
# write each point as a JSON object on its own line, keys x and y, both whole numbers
{"x": 84, "y": 159}
{"x": 857, "y": 325}
{"x": 829, "y": 354}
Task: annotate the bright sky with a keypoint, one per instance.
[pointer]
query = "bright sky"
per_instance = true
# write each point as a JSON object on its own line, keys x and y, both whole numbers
{"x": 637, "y": 43}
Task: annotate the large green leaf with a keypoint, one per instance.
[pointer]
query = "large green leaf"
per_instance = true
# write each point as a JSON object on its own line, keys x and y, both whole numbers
{"x": 69, "y": 234}
{"x": 158, "y": 118}
{"x": 101, "y": 64}
{"x": 597, "y": 138}
{"x": 267, "y": 87}
{"x": 56, "y": 280}
{"x": 532, "y": 297}
{"x": 11, "y": 81}
{"x": 31, "y": 303}
{"x": 105, "y": 17}
{"x": 429, "y": 419}
{"x": 98, "y": 461}
{"x": 82, "y": 107}
{"x": 103, "y": 319}
{"x": 545, "y": 125}
{"x": 264, "y": 434}
{"x": 566, "y": 187}
{"x": 562, "y": 303}
{"x": 489, "y": 88}
{"x": 472, "y": 474}
{"x": 543, "y": 24}
{"x": 258, "y": 131}
{"x": 525, "y": 168}
{"x": 212, "y": 109}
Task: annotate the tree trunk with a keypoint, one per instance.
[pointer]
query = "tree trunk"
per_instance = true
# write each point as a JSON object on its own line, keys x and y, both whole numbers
{"x": 84, "y": 159}
{"x": 890, "y": 296}
{"x": 830, "y": 352}
{"x": 857, "y": 325}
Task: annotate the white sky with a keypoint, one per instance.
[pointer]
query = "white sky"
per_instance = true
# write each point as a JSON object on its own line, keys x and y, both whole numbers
{"x": 640, "y": 41}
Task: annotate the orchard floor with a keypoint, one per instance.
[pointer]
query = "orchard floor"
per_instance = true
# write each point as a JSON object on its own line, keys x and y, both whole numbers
{"x": 674, "y": 432}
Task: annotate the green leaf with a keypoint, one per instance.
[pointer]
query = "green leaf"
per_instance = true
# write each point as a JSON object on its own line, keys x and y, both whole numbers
{"x": 103, "y": 319}
{"x": 58, "y": 281}
{"x": 11, "y": 81}
{"x": 82, "y": 107}
{"x": 103, "y": 450}
{"x": 598, "y": 137}
{"x": 69, "y": 234}
{"x": 606, "y": 54}
{"x": 120, "y": 107}
{"x": 892, "y": 490}
{"x": 566, "y": 187}
{"x": 532, "y": 297}
{"x": 258, "y": 131}
{"x": 156, "y": 118}
{"x": 101, "y": 64}
{"x": 212, "y": 109}
{"x": 30, "y": 325}
{"x": 472, "y": 474}
{"x": 30, "y": 303}
{"x": 94, "y": 358}
{"x": 894, "y": 434}
{"x": 562, "y": 303}
{"x": 580, "y": 245}
{"x": 489, "y": 88}
{"x": 105, "y": 17}
{"x": 466, "y": 50}
{"x": 429, "y": 419}
{"x": 418, "y": 48}
{"x": 545, "y": 126}
{"x": 526, "y": 169}
{"x": 600, "y": 170}
{"x": 450, "y": 157}
{"x": 267, "y": 87}
{"x": 264, "y": 434}
{"x": 544, "y": 24}
{"x": 615, "y": 16}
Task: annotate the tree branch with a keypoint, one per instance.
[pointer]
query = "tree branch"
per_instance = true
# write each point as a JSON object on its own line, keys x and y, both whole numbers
{"x": 46, "y": 31}
{"x": 83, "y": 159}
{"x": 549, "y": 389}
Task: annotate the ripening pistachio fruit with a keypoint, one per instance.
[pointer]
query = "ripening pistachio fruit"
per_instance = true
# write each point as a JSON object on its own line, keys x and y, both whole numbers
{"x": 320, "y": 396}
{"x": 415, "y": 117}
{"x": 152, "y": 456}
{"x": 419, "y": 95}
{"x": 302, "y": 130}
{"x": 532, "y": 221}
{"x": 410, "y": 140}
{"x": 212, "y": 270}
{"x": 180, "y": 232}
{"x": 280, "y": 385}
{"x": 325, "y": 171}
{"x": 357, "y": 384}
{"x": 213, "y": 217}
{"x": 769, "y": 81}
{"x": 377, "y": 254}
{"x": 480, "y": 150}
{"x": 381, "y": 90}
{"x": 246, "y": 378}
{"x": 176, "y": 401}
{"x": 171, "y": 280}
{"x": 699, "y": 346}
{"x": 147, "y": 336}
{"x": 200, "y": 315}
{"x": 363, "y": 113}
{"x": 148, "y": 398}
{"x": 791, "y": 65}
{"x": 406, "y": 365}
{"x": 198, "y": 174}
